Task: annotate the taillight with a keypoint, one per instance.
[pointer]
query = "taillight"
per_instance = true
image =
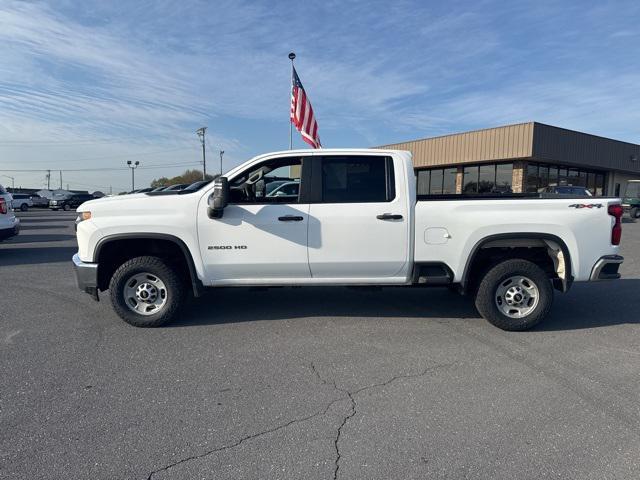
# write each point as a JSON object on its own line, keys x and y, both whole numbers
{"x": 3, "y": 205}
{"x": 616, "y": 211}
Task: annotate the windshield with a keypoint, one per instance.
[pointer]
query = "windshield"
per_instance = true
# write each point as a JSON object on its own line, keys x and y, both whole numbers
{"x": 633, "y": 190}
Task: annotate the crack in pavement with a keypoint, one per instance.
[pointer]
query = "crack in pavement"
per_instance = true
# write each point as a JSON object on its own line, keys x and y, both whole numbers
{"x": 349, "y": 395}
{"x": 244, "y": 439}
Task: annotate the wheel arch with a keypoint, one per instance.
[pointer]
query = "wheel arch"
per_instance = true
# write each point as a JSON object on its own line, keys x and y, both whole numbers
{"x": 122, "y": 239}
{"x": 564, "y": 284}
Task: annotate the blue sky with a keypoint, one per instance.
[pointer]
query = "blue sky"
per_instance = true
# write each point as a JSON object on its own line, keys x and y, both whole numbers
{"x": 89, "y": 85}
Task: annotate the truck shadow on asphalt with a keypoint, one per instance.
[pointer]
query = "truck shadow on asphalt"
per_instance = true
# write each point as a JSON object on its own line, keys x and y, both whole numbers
{"x": 45, "y": 237}
{"x": 586, "y": 306}
{"x": 31, "y": 256}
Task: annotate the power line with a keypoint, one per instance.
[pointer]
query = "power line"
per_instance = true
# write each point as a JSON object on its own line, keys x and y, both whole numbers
{"x": 130, "y": 155}
{"x": 104, "y": 169}
{"x": 63, "y": 143}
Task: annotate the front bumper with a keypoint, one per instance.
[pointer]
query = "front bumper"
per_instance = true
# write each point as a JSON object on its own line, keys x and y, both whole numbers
{"x": 606, "y": 268}
{"x": 86, "y": 276}
{"x": 11, "y": 231}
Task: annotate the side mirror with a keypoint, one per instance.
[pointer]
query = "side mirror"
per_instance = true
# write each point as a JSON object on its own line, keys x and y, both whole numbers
{"x": 219, "y": 198}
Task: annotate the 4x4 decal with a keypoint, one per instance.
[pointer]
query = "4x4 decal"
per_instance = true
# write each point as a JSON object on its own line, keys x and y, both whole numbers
{"x": 586, "y": 205}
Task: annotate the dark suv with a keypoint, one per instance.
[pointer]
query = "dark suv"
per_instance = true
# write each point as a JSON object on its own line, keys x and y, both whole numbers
{"x": 68, "y": 202}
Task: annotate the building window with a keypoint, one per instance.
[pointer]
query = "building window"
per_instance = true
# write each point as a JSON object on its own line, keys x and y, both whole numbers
{"x": 470, "y": 179}
{"x": 487, "y": 179}
{"x": 493, "y": 178}
{"x": 449, "y": 180}
{"x": 435, "y": 185}
{"x": 437, "y": 181}
{"x": 504, "y": 177}
{"x": 540, "y": 177}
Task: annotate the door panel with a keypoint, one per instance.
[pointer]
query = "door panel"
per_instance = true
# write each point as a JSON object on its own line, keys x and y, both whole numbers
{"x": 255, "y": 242}
{"x": 348, "y": 241}
{"x": 359, "y": 227}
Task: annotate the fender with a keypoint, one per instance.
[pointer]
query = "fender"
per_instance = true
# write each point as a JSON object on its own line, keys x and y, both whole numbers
{"x": 196, "y": 284}
{"x": 566, "y": 284}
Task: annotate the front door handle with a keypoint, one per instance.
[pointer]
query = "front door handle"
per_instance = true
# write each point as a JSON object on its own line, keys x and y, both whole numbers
{"x": 290, "y": 218}
{"x": 389, "y": 216}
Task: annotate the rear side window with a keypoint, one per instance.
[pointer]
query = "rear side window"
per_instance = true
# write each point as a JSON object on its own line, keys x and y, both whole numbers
{"x": 357, "y": 179}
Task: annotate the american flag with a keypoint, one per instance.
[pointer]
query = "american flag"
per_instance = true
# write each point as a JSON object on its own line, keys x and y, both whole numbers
{"x": 302, "y": 113}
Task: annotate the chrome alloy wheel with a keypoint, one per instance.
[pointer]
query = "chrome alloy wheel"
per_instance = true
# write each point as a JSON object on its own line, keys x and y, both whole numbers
{"x": 144, "y": 293}
{"x": 517, "y": 296}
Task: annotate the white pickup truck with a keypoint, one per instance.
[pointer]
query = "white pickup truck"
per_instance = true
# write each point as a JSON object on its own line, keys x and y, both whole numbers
{"x": 354, "y": 220}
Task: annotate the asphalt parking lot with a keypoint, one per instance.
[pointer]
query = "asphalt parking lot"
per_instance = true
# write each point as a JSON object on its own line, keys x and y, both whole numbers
{"x": 311, "y": 383}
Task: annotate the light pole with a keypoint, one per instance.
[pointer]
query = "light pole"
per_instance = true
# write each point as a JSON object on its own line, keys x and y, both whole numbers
{"x": 133, "y": 167}
{"x": 201, "y": 132}
{"x": 13, "y": 183}
{"x": 221, "y": 154}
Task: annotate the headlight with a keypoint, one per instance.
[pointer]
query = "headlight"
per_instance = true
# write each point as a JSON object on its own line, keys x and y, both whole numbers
{"x": 82, "y": 216}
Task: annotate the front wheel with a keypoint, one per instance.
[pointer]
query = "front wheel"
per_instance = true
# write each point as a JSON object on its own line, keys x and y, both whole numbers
{"x": 146, "y": 292}
{"x": 66, "y": 208}
{"x": 514, "y": 295}
{"x": 24, "y": 207}
{"x": 634, "y": 212}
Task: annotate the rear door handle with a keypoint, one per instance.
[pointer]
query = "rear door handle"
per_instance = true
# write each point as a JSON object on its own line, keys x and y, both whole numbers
{"x": 389, "y": 216}
{"x": 290, "y": 218}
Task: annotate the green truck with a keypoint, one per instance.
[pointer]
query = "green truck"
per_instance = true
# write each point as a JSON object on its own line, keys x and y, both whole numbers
{"x": 631, "y": 200}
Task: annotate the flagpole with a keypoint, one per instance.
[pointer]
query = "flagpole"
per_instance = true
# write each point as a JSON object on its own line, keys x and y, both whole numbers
{"x": 292, "y": 55}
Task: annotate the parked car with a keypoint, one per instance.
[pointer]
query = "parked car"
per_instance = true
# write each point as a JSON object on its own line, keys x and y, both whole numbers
{"x": 21, "y": 201}
{"x": 9, "y": 224}
{"x": 356, "y": 221}
{"x": 178, "y": 187}
{"x": 68, "y": 202}
{"x": 286, "y": 190}
{"x": 568, "y": 190}
{"x": 197, "y": 185}
{"x": 631, "y": 200}
{"x": 39, "y": 202}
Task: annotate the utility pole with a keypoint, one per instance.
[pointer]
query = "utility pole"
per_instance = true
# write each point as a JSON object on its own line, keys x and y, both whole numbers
{"x": 48, "y": 179}
{"x": 201, "y": 133}
{"x": 221, "y": 154}
{"x": 61, "y": 180}
{"x": 133, "y": 166}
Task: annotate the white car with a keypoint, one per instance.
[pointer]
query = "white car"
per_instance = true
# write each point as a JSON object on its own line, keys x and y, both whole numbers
{"x": 286, "y": 189}
{"x": 22, "y": 202}
{"x": 9, "y": 224}
{"x": 356, "y": 221}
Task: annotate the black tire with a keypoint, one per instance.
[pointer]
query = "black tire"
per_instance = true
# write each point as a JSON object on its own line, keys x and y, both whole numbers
{"x": 634, "y": 212}
{"x": 66, "y": 207}
{"x": 175, "y": 291}
{"x": 24, "y": 207}
{"x": 487, "y": 303}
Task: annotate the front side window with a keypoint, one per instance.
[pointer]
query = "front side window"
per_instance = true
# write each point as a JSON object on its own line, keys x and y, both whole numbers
{"x": 274, "y": 181}
{"x": 355, "y": 179}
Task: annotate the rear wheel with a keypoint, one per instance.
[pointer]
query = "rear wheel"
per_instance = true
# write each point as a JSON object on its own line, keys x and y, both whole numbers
{"x": 146, "y": 292}
{"x": 514, "y": 295}
{"x": 634, "y": 212}
{"x": 24, "y": 207}
{"x": 66, "y": 207}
